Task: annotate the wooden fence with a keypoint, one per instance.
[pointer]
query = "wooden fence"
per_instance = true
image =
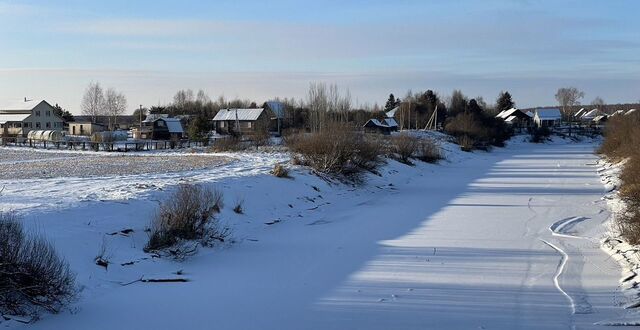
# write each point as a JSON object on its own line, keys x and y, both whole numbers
{"x": 117, "y": 146}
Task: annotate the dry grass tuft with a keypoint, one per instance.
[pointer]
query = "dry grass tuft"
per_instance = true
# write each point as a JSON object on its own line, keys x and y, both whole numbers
{"x": 188, "y": 214}
{"x": 280, "y": 171}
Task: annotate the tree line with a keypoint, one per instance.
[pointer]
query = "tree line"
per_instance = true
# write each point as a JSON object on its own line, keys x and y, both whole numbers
{"x": 322, "y": 105}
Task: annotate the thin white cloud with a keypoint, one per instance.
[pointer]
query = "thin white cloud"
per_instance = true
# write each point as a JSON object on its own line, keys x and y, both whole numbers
{"x": 15, "y": 9}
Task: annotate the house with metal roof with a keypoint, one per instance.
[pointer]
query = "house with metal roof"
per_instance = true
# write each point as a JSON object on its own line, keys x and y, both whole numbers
{"x": 161, "y": 127}
{"x": 18, "y": 118}
{"x": 547, "y": 117}
{"x": 241, "y": 121}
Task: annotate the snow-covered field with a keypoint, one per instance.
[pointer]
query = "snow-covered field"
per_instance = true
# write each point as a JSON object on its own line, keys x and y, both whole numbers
{"x": 502, "y": 240}
{"x": 23, "y": 163}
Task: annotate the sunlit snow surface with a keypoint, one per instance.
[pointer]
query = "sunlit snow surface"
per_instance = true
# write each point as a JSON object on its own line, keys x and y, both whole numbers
{"x": 502, "y": 240}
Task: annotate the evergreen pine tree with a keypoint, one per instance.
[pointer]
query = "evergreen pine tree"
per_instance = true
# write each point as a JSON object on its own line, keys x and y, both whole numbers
{"x": 64, "y": 114}
{"x": 504, "y": 102}
{"x": 391, "y": 103}
{"x": 474, "y": 107}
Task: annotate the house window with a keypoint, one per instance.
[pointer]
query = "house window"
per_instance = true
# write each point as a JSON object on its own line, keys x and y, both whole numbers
{"x": 48, "y": 125}
{"x": 38, "y": 125}
{"x": 221, "y": 124}
{"x": 249, "y": 124}
{"x": 48, "y": 113}
{"x": 38, "y": 113}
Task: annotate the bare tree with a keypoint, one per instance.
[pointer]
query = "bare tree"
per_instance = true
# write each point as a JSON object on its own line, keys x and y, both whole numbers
{"x": 598, "y": 102}
{"x": 183, "y": 98}
{"x": 318, "y": 102}
{"x": 93, "y": 101}
{"x": 221, "y": 102}
{"x": 202, "y": 98}
{"x": 568, "y": 97}
{"x": 115, "y": 104}
{"x": 344, "y": 105}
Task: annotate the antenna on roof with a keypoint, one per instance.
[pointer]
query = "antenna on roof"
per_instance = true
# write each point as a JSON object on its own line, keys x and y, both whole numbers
{"x": 26, "y": 100}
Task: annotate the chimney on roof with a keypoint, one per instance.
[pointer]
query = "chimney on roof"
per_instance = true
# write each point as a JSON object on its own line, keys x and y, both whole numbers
{"x": 25, "y": 99}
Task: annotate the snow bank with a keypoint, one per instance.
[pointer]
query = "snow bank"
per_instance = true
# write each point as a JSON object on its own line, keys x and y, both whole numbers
{"x": 627, "y": 255}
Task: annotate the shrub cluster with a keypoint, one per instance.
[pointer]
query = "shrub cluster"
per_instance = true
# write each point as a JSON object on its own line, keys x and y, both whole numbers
{"x": 231, "y": 143}
{"x": 477, "y": 130}
{"x": 622, "y": 141}
{"x": 404, "y": 147}
{"x": 336, "y": 150}
{"x": 428, "y": 151}
{"x": 33, "y": 276}
{"x": 188, "y": 214}
{"x": 539, "y": 134}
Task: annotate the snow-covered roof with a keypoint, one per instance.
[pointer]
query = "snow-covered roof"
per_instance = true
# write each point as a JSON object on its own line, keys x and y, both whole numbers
{"x": 154, "y": 116}
{"x": 392, "y": 112}
{"x": 630, "y": 111}
{"x": 375, "y": 122}
{"x": 616, "y": 113}
{"x": 19, "y": 104}
{"x": 530, "y": 113}
{"x": 391, "y": 122}
{"x": 386, "y": 123}
{"x": 580, "y": 112}
{"x": 590, "y": 114}
{"x": 600, "y": 118}
{"x": 277, "y": 108}
{"x": 173, "y": 124}
{"x": 85, "y": 122}
{"x": 506, "y": 113}
{"x": 510, "y": 119}
{"x": 549, "y": 114}
{"x": 18, "y": 117}
{"x": 242, "y": 114}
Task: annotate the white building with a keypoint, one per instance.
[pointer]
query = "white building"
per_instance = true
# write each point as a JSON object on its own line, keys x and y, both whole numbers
{"x": 547, "y": 117}
{"x": 18, "y": 118}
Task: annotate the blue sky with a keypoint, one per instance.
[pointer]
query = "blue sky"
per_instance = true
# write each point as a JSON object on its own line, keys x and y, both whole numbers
{"x": 263, "y": 49}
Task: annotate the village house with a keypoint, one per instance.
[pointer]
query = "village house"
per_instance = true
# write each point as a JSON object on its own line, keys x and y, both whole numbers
{"x": 384, "y": 126}
{"x": 17, "y": 119}
{"x": 160, "y": 127}
{"x": 85, "y": 128}
{"x": 241, "y": 121}
{"x": 547, "y": 117}
{"x": 515, "y": 118}
{"x": 589, "y": 116}
{"x": 122, "y": 122}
